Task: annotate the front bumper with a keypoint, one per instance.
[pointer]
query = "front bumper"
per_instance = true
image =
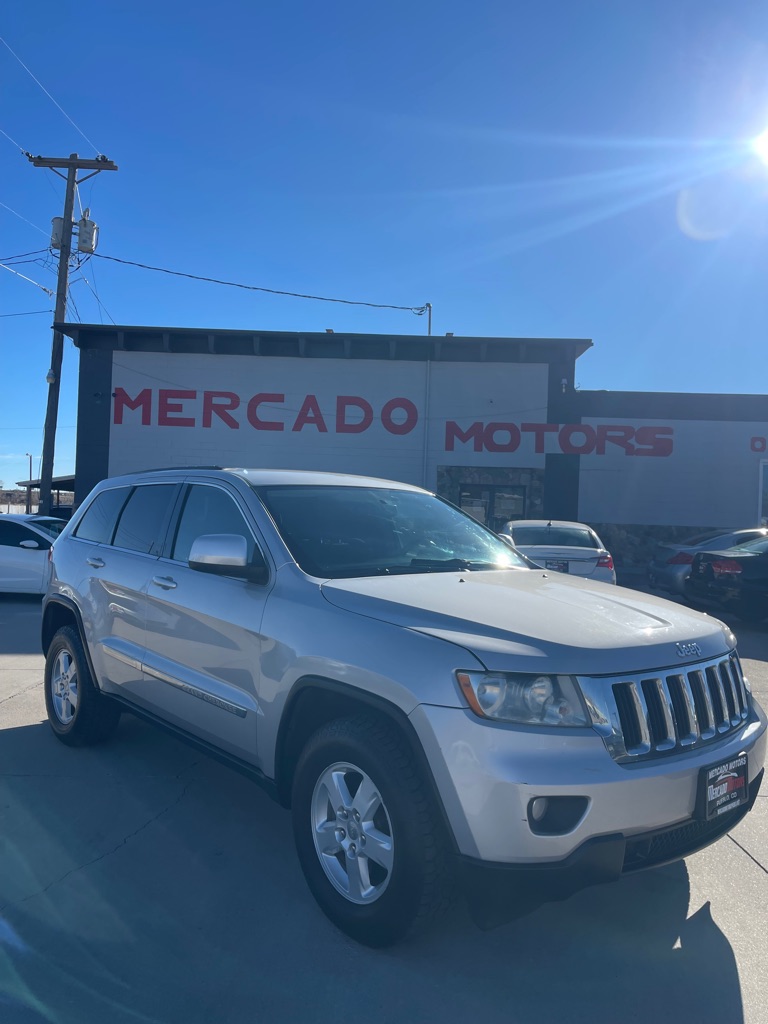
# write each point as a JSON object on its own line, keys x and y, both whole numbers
{"x": 501, "y": 892}
{"x": 487, "y": 774}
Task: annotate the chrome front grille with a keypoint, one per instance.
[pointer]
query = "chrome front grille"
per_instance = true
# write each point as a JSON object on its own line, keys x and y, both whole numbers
{"x": 659, "y": 713}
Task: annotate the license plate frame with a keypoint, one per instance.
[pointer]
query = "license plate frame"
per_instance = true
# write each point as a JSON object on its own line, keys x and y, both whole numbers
{"x": 723, "y": 787}
{"x": 556, "y": 564}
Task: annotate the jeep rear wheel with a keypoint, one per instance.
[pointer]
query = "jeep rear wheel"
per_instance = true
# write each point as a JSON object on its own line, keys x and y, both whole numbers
{"x": 77, "y": 712}
{"x": 366, "y": 832}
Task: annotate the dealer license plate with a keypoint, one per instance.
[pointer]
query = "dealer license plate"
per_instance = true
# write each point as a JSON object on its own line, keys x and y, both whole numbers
{"x": 557, "y": 565}
{"x": 723, "y": 787}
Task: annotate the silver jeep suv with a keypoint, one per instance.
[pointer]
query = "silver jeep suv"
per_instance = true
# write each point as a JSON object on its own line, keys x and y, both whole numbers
{"x": 436, "y": 713}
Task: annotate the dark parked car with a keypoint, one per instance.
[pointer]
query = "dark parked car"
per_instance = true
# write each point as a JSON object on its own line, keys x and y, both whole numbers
{"x": 671, "y": 563}
{"x": 735, "y": 579}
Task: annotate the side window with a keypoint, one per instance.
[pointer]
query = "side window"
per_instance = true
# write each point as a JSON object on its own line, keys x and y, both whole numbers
{"x": 208, "y": 510}
{"x": 141, "y": 524}
{"x": 98, "y": 523}
{"x": 12, "y": 534}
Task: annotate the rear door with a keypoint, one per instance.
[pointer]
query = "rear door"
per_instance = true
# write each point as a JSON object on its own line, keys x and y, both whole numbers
{"x": 203, "y": 639}
{"x": 23, "y": 570}
{"x": 121, "y": 536}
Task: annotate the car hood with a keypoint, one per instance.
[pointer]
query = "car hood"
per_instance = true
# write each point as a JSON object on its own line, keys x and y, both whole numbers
{"x": 514, "y": 618}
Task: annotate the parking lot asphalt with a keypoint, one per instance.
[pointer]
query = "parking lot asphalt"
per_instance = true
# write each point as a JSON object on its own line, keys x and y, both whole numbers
{"x": 143, "y": 882}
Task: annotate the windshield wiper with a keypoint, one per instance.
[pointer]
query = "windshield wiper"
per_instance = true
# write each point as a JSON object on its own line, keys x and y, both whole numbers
{"x": 415, "y": 567}
{"x": 453, "y": 564}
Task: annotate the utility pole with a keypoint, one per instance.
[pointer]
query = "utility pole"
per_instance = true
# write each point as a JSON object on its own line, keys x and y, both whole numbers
{"x": 72, "y": 165}
{"x": 29, "y": 484}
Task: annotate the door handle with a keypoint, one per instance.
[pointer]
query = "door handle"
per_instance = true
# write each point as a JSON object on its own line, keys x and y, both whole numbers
{"x": 97, "y": 563}
{"x": 166, "y": 582}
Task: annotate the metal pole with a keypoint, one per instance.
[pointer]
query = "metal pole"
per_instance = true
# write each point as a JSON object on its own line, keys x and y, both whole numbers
{"x": 29, "y": 484}
{"x": 429, "y": 318}
{"x": 57, "y": 348}
{"x": 72, "y": 165}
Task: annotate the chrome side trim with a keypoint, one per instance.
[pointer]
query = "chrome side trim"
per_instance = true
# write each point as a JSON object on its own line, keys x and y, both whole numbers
{"x": 116, "y": 650}
{"x": 194, "y": 691}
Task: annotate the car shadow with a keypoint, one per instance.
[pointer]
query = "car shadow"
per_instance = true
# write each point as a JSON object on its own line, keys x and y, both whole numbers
{"x": 20, "y": 619}
{"x": 143, "y": 881}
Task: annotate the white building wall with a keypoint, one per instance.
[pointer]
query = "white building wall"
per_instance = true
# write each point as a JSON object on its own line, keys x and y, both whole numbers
{"x": 710, "y": 476}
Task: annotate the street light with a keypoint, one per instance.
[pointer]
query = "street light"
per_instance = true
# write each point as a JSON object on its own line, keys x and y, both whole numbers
{"x": 29, "y": 484}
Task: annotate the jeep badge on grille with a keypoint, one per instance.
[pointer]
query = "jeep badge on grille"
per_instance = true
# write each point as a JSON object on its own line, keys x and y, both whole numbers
{"x": 688, "y": 650}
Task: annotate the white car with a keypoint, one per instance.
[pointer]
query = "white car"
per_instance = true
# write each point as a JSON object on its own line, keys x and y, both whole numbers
{"x": 554, "y": 544}
{"x": 24, "y": 544}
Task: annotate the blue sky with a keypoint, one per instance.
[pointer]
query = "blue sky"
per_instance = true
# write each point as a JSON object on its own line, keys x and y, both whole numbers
{"x": 574, "y": 168}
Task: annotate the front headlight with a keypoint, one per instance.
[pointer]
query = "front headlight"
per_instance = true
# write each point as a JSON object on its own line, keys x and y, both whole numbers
{"x": 526, "y": 699}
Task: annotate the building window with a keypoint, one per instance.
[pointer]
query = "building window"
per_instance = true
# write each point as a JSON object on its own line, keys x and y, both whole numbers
{"x": 493, "y": 495}
{"x": 493, "y": 505}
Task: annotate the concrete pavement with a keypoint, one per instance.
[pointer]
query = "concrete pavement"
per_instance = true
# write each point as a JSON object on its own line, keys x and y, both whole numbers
{"x": 144, "y": 882}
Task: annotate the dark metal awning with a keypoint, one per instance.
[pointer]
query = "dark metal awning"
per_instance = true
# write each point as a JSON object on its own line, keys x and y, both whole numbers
{"x": 59, "y": 483}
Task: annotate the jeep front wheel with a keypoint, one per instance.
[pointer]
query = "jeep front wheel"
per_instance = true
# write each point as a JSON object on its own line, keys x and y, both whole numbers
{"x": 366, "y": 832}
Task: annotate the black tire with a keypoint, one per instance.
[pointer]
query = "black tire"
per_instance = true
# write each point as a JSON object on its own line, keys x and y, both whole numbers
{"x": 418, "y": 886}
{"x": 94, "y": 717}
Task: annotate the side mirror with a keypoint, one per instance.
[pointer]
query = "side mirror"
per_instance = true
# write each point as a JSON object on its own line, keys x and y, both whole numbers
{"x": 30, "y": 545}
{"x": 506, "y": 538}
{"x": 226, "y": 554}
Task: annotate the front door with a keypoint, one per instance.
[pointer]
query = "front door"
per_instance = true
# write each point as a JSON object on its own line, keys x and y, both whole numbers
{"x": 203, "y": 641}
{"x": 23, "y": 570}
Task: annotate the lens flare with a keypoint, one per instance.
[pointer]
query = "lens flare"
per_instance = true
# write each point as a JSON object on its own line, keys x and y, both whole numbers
{"x": 760, "y": 146}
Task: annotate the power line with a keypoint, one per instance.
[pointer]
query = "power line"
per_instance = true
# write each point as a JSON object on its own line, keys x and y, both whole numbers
{"x": 417, "y": 310}
{"x": 8, "y": 208}
{"x": 96, "y": 292}
{"x": 96, "y": 296}
{"x": 42, "y": 288}
{"x": 21, "y": 255}
{"x": 32, "y": 312}
{"x": 95, "y": 148}
{"x": 15, "y": 143}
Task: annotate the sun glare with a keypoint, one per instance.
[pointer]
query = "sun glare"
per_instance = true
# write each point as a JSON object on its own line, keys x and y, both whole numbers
{"x": 760, "y": 146}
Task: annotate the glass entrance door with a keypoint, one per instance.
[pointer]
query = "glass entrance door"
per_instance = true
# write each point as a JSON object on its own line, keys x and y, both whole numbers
{"x": 495, "y": 504}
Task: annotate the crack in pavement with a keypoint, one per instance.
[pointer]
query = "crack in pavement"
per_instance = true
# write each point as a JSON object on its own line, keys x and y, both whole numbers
{"x": 102, "y": 856}
{"x": 26, "y": 689}
{"x": 744, "y": 850}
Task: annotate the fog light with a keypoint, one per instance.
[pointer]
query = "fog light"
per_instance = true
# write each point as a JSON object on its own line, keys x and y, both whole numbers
{"x": 555, "y": 815}
{"x": 539, "y": 807}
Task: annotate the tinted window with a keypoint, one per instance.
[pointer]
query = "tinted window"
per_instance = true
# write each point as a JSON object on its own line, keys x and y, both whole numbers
{"x": 342, "y": 532}
{"x": 141, "y": 525}
{"x": 566, "y": 536}
{"x": 12, "y": 534}
{"x": 52, "y": 527}
{"x": 98, "y": 523}
{"x": 758, "y": 547}
{"x": 208, "y": 510}
{"x": 703, "y": 538}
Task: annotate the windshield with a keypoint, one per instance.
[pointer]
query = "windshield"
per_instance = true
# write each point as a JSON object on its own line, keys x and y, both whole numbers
{"x": 52, "y": 527}
{"x": 558, "y": 536}
{"x": 343, "y": 532}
